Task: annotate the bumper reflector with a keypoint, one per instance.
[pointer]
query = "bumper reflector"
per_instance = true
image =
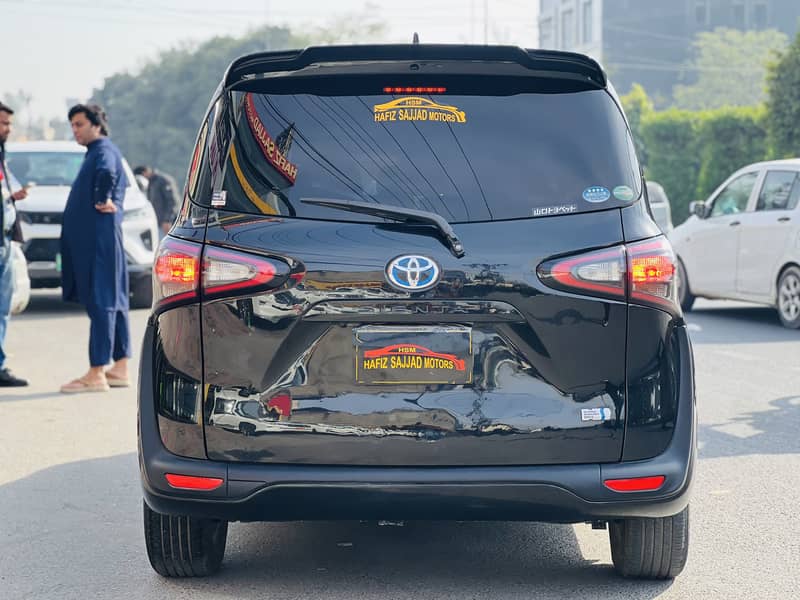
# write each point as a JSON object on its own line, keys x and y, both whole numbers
{"x": 188, "y": 482}
{"x": 636, "y": 484}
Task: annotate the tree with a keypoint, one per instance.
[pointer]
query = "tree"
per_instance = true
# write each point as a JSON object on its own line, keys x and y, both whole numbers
{"x": 783, "y": 104}
{"x": 155, "y": 114}
{"x": 731, "y": 68}
{"x": 637, "y": 107}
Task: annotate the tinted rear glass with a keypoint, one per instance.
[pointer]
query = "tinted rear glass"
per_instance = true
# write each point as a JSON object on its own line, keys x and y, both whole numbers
{"x": 465, "y": 156}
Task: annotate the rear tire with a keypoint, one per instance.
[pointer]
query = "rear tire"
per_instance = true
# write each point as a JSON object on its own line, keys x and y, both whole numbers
{"x": 788, "y": 300}
{"x": 685, "y": 297}
{"x": 650, "y": 548}
{"x": 180, "y": 546}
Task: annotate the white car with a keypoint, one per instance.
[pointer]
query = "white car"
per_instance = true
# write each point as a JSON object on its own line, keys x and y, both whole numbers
{"x": 22, "y": 283}
{"x": 50, "y": 168}
{"x": 743, "y": 243}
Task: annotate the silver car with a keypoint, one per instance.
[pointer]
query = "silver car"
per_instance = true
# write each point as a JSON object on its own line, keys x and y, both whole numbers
{"x": 659, "y": 204}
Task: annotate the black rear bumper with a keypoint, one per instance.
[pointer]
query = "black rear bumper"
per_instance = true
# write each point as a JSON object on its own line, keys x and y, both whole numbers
{"x": 553, "y": 493}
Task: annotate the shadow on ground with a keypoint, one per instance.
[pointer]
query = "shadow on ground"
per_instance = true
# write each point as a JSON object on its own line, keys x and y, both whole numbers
{"x": 773, "y": 430}
{"x": 76, "y": 532}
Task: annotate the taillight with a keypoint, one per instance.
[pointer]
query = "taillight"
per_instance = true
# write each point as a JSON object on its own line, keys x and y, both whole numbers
{"x": 181, "y": 275}
{"x": 651, "y": 270}
{"x": 177, "y": 272}
{"x": 641, "y": 272}
{"x": 226, "y": 271}
{"x": 599, "y": 273}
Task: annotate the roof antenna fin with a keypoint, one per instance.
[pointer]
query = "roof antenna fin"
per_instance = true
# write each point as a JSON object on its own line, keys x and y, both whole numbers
{"x": 415, "y": 40}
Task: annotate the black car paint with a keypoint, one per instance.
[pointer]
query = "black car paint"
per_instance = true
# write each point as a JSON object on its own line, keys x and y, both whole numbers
{"x": 555, "y": 480}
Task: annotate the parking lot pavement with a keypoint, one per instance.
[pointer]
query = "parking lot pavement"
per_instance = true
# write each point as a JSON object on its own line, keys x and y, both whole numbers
{"x": 71, "y": 503}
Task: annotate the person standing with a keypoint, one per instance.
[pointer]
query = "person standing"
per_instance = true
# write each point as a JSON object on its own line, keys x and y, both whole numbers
{"x": 162, "y": 191}
{"x": 93, "y": 267}
{"x": 9, "y": 231}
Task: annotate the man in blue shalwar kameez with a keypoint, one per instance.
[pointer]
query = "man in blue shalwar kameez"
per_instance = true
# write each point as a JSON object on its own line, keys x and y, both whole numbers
{"x": 93, "y": 267}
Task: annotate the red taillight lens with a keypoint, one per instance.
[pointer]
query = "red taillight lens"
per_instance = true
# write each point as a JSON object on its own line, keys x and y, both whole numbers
{"x": 635, "y": 484}
{"x": 227, "y": 271}
{"x": 190, "y": 482}
{"x": 177, "y": 271}
{"x": 600, "y": 273}
{"x": 179, "y": 276}
{"x": 641, "y": 272}
{"x": 651, "y": 273}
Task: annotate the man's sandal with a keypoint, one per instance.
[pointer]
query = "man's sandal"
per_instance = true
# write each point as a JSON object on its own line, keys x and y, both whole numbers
{"x": 117, "y": 382}
{"x": 78, "y": 386}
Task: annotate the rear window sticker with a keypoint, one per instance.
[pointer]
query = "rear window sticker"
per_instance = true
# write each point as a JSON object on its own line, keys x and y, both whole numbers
{"x": 548, "y": 211}
{"x": 596, "y": 414}
{"x": 219, "y": 198}
{"x": 270, "y": 148}
{"x": 416, "y": 108}
{"x": 624, "y": 193}
{"x": 596, "y": 193}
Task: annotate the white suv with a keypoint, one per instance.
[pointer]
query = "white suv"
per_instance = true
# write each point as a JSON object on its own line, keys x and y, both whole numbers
{"x": 51, "y": 167}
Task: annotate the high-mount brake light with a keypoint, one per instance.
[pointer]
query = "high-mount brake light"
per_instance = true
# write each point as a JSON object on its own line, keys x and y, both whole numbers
{"x": 641, "y": 272}
{"x": 414, "y": 90}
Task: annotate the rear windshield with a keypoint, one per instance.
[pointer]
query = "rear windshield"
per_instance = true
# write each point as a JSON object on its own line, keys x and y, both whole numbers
{"x": 45, "y": 168}
{"x": 466, "y": 157}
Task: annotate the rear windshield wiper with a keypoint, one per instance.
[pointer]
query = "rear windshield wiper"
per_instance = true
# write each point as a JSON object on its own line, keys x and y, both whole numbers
{"x": 396, "y": 213}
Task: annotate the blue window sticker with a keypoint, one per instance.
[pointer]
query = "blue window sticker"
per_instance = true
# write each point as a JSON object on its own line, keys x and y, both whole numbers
{"x": 624, "y": 193}
{"x": 596, "y": 193}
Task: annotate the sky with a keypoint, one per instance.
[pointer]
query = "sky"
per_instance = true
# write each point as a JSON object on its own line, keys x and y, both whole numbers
{"x": 57, "y": 50}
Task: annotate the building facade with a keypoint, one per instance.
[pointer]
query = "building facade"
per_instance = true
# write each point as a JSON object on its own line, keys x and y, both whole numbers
{"x": 650, "y": 41}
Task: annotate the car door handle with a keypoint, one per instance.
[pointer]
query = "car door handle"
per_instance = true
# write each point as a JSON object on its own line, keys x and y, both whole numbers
{"x": 735, "y": 223}
{"x": 784, "y": 219}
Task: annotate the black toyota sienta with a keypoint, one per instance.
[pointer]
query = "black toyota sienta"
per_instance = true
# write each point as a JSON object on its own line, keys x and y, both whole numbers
{"x": 416, "y": 282}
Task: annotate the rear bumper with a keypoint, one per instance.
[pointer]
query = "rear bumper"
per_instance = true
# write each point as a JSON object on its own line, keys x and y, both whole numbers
{"x": 552, "y": 493}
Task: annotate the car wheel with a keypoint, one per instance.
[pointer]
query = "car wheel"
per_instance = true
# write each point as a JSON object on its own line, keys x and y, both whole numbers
{"x": 180, "y": 546}
{"x": 685, "y": 297}
{"x": 789, "y": 298}
{"x": 141, "y": 292}
{"x": 650, "y": 548}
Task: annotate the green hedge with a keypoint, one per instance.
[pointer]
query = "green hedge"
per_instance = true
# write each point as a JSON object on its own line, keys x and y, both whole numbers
{"x": 728, "y": 139}
{"x": 672, "y": 158}
{"x": 691, "y": 153}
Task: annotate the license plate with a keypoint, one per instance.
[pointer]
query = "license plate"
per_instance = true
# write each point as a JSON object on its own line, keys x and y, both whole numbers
{"x": 408, "y": 355}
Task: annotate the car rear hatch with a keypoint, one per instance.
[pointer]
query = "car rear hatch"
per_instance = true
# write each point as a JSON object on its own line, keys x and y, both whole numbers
{"x": 402, "y": 216}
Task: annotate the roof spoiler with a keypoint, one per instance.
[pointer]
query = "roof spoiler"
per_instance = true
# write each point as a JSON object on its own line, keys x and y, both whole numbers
{"x": 291, "y": 60}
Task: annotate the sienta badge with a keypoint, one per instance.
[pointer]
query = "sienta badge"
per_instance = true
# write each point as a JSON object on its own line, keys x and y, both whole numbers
{"x": 596, "y": 193}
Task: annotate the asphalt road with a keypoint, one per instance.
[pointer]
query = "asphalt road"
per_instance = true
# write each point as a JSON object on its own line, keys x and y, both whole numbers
{"x": 70, "y": 504}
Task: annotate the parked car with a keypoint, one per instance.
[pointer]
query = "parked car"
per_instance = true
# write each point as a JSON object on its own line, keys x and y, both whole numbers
{"x": 51, "y": 167}
{"x": 659, "y": 205}
{"x": 22, "y": 283}
{"x": 743, "y": 242}
{"x": 405, "y": 283}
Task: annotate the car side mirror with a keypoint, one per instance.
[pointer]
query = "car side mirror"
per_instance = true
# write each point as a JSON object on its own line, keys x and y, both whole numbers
{"x": 699, "y": 209}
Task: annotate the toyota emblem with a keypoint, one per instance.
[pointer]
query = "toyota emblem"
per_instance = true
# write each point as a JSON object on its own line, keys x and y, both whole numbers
{"x": 412, "y": 273}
